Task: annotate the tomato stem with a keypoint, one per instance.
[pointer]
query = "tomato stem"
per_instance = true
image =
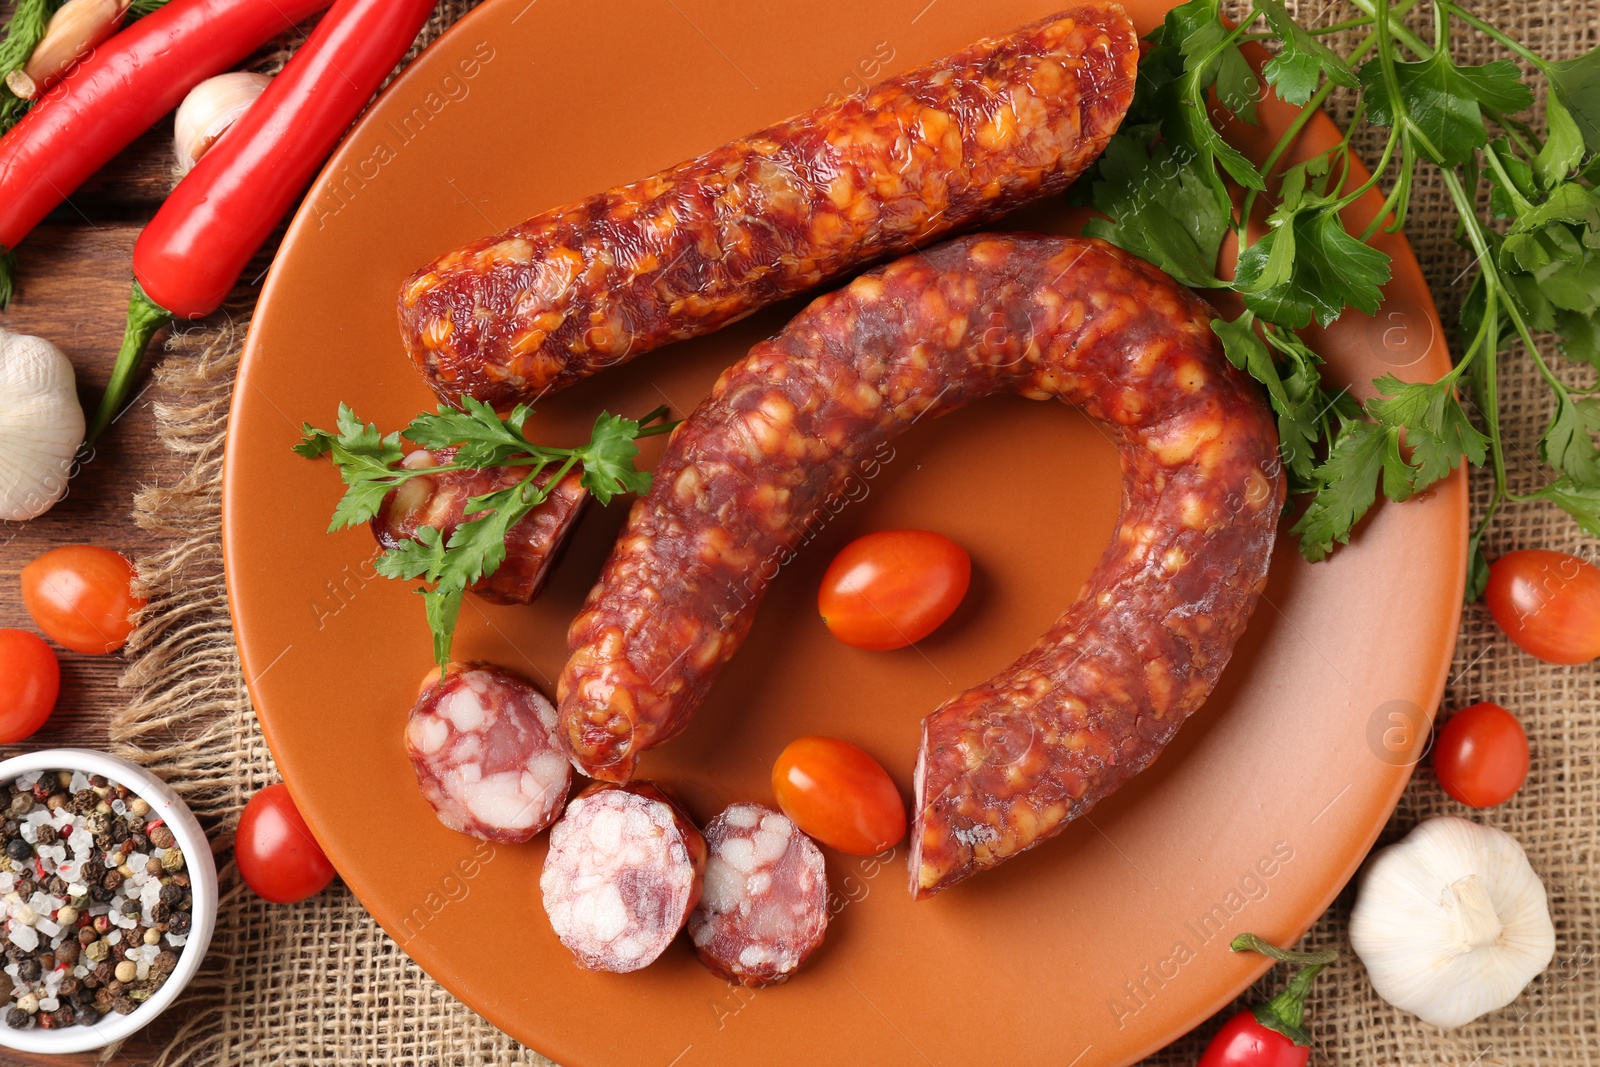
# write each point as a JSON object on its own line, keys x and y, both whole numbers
{"x": 1285, "y": 1013}
{"x": 145, "y": 317}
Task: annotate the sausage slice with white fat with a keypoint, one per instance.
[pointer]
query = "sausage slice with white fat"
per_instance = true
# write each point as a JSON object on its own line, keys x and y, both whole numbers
{"x": 623, "y": 871}
{"x": 487, "y": 753}
{"x": 765, "y": 907}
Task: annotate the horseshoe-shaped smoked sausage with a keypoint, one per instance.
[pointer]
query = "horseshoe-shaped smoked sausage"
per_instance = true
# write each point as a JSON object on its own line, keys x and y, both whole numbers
{"x": 1010, "y": 762}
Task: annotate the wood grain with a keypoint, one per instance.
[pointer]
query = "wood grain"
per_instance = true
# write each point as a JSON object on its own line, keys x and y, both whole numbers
{"x": 73, "y": 289}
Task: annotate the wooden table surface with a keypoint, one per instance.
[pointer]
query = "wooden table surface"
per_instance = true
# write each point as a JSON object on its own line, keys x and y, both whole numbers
{"x": 73, "y": 290}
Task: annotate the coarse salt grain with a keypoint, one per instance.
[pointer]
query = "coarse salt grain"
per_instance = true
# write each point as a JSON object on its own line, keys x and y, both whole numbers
{"x": 48, "y": 927}
{"x": 24, "y": 937}
{"x": 49, "y": 1003}
{"x": 80, "y": 781}
{"x": 114, "y": 937}
{"x": 175, "y": 940}
{"x": 29, "y": 779}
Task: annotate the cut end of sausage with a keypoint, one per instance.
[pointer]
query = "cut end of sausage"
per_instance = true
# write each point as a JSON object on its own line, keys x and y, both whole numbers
{"x": 487, "y": 754}
{"x": 765, "y": 908}
{"x": 623, "y": 871}
{"x": 533, "y": 546}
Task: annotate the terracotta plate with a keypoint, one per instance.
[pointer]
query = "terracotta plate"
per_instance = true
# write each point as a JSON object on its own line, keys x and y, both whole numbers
{"x": 1094, "y": 949}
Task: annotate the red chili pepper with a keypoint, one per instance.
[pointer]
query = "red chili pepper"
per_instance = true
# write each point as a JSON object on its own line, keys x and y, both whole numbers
{"x": 122, "y": 90}
{"x": 38, "y": 865}
{"x": 192, "y": 253}
{"x": 1270, "y": 1034}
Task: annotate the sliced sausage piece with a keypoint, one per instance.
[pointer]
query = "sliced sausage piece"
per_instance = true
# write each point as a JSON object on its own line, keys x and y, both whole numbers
{"x": 533, "y": 546}
{"x": 487, "y": 753}
{"x": 805, "y": 419}
{"x": 765, "y": 907}
{"x": 624, "y": 869}
{"x": 684, "y": 252}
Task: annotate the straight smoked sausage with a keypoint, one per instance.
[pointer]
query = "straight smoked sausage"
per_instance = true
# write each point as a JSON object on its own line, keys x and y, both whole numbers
{"x": 948, "y": 145}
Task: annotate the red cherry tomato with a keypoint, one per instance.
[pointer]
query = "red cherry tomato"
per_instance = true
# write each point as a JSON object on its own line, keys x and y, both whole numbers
{"x": 1244, "y": 1042}
{"x": 277, "y": 855}
{"x": 30, "y": 681}
{"x": 1481, "y": 755}
{"x": 893, "y": 588}
{"x": 839, "y": 795}
{"x": 82, "y": 597}
{"x": 1548, "y": 603}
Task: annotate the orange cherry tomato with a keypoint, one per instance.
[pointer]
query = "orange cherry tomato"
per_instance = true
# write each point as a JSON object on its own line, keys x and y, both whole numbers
{"x": 839, "y": 795}
{"x": 30, "y": 681}
{"x": 1481, "y": 755}
{"x": 82, "y": 597}
{"x": 893, "y": 588}
{"x": 1548, "y": 603}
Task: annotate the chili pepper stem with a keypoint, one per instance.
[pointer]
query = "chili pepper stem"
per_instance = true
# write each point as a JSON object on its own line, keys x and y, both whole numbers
{"x": 145, "y": 317}
{"x": 1285, "y": 1013}
{"x": 8, "y": 271}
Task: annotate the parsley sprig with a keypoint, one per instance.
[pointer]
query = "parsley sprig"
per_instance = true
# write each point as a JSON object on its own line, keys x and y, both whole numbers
{"x": 368, "y": 462}
{"x": 1163, "y": 186}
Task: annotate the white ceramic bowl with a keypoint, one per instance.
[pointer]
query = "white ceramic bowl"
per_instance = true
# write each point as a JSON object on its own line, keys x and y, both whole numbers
{"x": 202, "y": 886}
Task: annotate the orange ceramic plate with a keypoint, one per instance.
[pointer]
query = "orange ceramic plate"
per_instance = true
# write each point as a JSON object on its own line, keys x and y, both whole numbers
{"x": 1094, "y": 949}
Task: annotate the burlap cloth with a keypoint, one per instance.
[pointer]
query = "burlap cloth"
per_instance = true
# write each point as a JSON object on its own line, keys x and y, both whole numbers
{"x": 321, "y": 983}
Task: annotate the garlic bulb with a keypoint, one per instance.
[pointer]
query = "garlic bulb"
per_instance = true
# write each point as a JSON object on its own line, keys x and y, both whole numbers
{"x": 209, "y": 109}
{"x": 41, "y": 425}
{"x": 1452, "y": 922}
{"x": 72, "y": 33}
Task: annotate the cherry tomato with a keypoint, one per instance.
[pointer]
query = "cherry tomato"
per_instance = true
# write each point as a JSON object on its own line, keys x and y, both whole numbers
{"x": 839, "y": 795}
{"x": 1548, "y": 603}
{"x": 1481, "y": 755}
{"x": 82, "y": 597}
{"x": 1244, "y": 1042}
{"x": 277, "y": 855}
{"x": 30, "y": 681}
{"x": 893, "y": 588}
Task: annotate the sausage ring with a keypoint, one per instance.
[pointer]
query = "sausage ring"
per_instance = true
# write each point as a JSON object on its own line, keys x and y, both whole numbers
{"x": 1010, "y": 762}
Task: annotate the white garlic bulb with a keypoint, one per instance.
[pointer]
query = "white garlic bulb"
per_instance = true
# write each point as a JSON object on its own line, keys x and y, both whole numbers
{"x": 1452, "y": 922}
{"x": 41, "y": 425}
{"x": 209, "y": 110}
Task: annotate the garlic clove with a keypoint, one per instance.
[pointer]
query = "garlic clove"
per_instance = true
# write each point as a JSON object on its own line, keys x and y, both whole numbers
{"x": 1452, "y": 922}
{"x": 72, "y": 33}
{"x": 209, "y": 110}
{"x": 41, "y": 425}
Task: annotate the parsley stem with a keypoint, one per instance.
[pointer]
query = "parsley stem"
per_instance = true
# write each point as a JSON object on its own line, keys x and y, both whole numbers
{"x": 1337, "y": 27}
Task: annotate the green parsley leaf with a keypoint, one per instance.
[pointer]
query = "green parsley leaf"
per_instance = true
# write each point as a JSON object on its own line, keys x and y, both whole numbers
{"x": 1441, "y": 101}
{"x": 478, "y": 434}
{"x": 1581, "y": 502}
{"x": 608, "y": 459}
{"x": 1302, "y": 60}
{"x": 1309, "y": 267}
{"x": 1362, "y": 453}
{"x": 1563, "y": 145}
{"x": 1437, "y": 430}
{"x": 442, "y": 608}
{"x": 1568, "y": 443}
{"x": 1576, "y": 82}
{"x": 1160, "y": 207}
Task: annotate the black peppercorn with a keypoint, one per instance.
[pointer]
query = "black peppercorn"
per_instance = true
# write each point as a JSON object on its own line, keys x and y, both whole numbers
{"x": 164, "y": 962}
{"x": 115, "y": 987}
{"x": 161, "y": 912}
{"x": 141, "y": 843}
{"x": 98, "y": 781}
{"x": 124, "y": 1005}
{"x": 26, "y": 887}
{"x": 181, "y": 878}
{"x": 171, "y": 895}
{"x": 83, "y": 801}
{"x": 29, "y": 970}
{"x": 18, "y": 1019}
{"x": 69, "y": 985}
{"x": 10, "y": 828}
{"x": 112, "y": 880}
{"x": 102, "y": 1000}
{"x": 87, "y": 1015}
{"x": 179, "y": 923}
{"x": 119, "y": 828}
{"x": 103, "y": 842}
{"x": 15, "y": 953}
{"x": 105, "y": 972}
{"x": 68, "y": 952}
{"x": 65, "y": 1015}
{"x": 132, "y": 908}
{"x": 99, "y": 893}
{"x": 47, "y": 834}
{"x": 19, "y": 850}
{"x": 57, "y": 886}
